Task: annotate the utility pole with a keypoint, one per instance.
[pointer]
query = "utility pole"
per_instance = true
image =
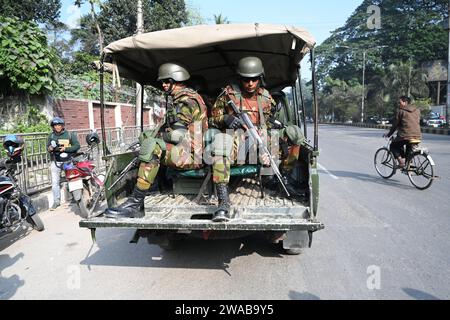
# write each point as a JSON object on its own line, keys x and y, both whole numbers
{"x": 139, "y": 95}
{"x": 363, "y": 86}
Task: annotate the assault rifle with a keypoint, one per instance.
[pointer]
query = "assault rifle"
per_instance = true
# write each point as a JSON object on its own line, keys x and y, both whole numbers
{"x": 255, "y": 135}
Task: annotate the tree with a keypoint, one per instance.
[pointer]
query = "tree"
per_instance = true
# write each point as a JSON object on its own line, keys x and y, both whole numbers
{"x": 221, "y": 20}
{"x": 410, "y": 30}
{"x": 40, "y": 11}
{"x": 167, "y": 14}
{"x": 117, "y": 19}
{"x": 26, "y": 62}
{"x": 94, "y": 19}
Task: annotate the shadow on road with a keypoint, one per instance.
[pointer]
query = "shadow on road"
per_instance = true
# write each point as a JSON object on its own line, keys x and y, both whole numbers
{"x": 9, "y": 286}
{"x": 114, "y": 249}
{"x": 419, "y": 295}
{"x": 11, "y": 238}
{"x": 295, "y": 295}
{"x": 371, "y": 178}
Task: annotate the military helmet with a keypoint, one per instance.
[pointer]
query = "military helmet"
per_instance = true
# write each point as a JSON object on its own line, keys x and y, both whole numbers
{"x": 295, "y": 135}
{"x": 173, "y": 71}
{"x": 250, "y": 67}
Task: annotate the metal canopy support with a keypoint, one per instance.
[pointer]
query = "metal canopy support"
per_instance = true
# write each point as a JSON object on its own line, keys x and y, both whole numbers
{"x": 299, "y": 72}
{"x": 102, "y": 105}
{"x": 315, "y": 104}
{"x": 142, "y": 107}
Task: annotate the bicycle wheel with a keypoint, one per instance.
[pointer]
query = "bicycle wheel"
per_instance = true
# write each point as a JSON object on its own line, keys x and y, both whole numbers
{"x": 421, "y": 171}
{"x": 385, "y": 163}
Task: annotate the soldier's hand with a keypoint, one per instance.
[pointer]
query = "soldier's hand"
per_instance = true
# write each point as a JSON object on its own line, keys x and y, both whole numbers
{"x": 265, "y": 159}
{"x": 233, "y": 122}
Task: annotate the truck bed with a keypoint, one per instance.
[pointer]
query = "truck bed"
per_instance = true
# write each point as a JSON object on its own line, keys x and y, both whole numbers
{"x": 250, "y": 212}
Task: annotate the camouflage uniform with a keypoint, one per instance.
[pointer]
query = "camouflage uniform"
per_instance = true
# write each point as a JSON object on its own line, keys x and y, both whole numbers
{"x": 222, "y": 165}
{"x": 179, "y": 145}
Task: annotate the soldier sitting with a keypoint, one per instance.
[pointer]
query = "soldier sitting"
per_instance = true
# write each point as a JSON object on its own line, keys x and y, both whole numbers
{"x": 177, "y": 145}
{"x": 251, "y": 97}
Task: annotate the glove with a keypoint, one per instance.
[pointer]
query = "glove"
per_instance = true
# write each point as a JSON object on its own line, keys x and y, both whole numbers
{"x": 233, "y": 122}
{"x": 277, "y": 125}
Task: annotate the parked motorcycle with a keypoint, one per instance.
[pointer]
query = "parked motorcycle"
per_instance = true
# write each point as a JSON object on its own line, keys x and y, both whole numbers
{"x": 84, "y": 183}
{"x": 15, "y": 206}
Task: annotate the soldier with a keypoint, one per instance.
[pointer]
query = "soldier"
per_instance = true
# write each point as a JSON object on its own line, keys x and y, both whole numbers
{"x": 251, "y": 97}
{"x": 178, "y": 144}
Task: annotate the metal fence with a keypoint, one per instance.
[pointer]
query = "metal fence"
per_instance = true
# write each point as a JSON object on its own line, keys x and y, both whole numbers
{"x": 34, "y": 170}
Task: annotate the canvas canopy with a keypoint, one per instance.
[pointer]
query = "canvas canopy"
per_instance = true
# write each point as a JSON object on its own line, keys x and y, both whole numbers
{"x": 211, "y": 52}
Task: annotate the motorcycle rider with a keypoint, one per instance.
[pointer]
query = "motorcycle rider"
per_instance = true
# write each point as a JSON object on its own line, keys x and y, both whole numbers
{"x": 58, "y": 142}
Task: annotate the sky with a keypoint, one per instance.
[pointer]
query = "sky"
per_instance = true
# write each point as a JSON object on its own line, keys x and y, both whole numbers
{"x": 319, "y": 17}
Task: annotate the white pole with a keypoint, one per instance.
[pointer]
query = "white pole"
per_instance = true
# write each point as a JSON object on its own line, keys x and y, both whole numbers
{"x": 140, "y": 29}
{"x": 363, "y": 86}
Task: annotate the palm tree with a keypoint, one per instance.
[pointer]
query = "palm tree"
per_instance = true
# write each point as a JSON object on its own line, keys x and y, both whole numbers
{"x": 221, "y": 20}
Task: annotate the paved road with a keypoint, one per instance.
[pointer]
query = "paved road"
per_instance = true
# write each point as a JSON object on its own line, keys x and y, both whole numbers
{"x": 383, "y": 240}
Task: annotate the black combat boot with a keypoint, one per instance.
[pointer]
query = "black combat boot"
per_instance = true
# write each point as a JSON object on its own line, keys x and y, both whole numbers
{"x": 222, "y": 213}
{"x": 130, "y": 208}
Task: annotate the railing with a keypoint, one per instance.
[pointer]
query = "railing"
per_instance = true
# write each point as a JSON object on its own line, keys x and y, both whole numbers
{"x": 34, "y": 170}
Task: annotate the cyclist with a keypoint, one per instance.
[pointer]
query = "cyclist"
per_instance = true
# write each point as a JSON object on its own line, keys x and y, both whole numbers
{"x": 407, "y": 124}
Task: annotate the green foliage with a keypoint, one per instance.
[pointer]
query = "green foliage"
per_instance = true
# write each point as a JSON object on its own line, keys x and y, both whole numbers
{"x": 32, "y": 121}
{"x": 40, "y": 11}
{"x": 86, "y": 86}
{"x": 118, "y": 18}
{"x": 26, "y": 62}
{"x": 410, "y": 29}
{"x": 219, "y": 19}
{"x": 412, "y": 32}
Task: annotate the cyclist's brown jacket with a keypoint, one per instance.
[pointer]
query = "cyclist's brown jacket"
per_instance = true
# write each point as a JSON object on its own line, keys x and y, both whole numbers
{"x": 407, "y": 123}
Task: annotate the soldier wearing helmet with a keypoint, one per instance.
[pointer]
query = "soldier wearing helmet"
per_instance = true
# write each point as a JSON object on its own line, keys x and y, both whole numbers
{"x": 178, "y": 143}
{"x": 58, "y": 142}
{"x": 251, "y": 97}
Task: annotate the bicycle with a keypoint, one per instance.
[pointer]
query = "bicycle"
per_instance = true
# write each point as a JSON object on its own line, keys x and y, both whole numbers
{"x": 419, "y": 166}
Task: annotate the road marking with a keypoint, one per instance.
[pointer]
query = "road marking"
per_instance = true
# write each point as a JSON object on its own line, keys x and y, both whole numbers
{"x": 327, "y": 172}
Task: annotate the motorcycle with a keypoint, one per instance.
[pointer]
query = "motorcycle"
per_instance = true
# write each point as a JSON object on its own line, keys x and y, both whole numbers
{"x": 85, "y": 185}
{"x": 15, "y": 206}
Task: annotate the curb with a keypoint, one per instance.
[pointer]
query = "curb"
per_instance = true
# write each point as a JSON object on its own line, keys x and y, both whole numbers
{"x": 388, "y": 127}
{"x": 43, "y": 201}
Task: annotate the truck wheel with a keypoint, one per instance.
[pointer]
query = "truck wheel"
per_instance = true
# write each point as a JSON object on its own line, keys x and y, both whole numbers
{"x": 293, "y": 251}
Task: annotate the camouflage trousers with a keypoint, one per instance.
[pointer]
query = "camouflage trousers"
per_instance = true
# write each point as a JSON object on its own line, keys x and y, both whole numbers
{"x": 177, "y": 156}
{"x": 222, "y": 164}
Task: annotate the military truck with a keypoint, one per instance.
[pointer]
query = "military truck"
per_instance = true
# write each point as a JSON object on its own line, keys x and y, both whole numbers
{"x": 182, "y": 204}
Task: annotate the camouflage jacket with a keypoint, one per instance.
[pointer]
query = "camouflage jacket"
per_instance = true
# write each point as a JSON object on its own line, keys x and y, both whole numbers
{"x": 186, "y": 109}
{"x": 261, "y": 102}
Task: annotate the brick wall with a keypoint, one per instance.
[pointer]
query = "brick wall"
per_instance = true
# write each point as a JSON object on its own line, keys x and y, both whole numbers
{"x": 74, "y": 112}
{"x": 110, "y": 118}
{"x": 128, "y": 114}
